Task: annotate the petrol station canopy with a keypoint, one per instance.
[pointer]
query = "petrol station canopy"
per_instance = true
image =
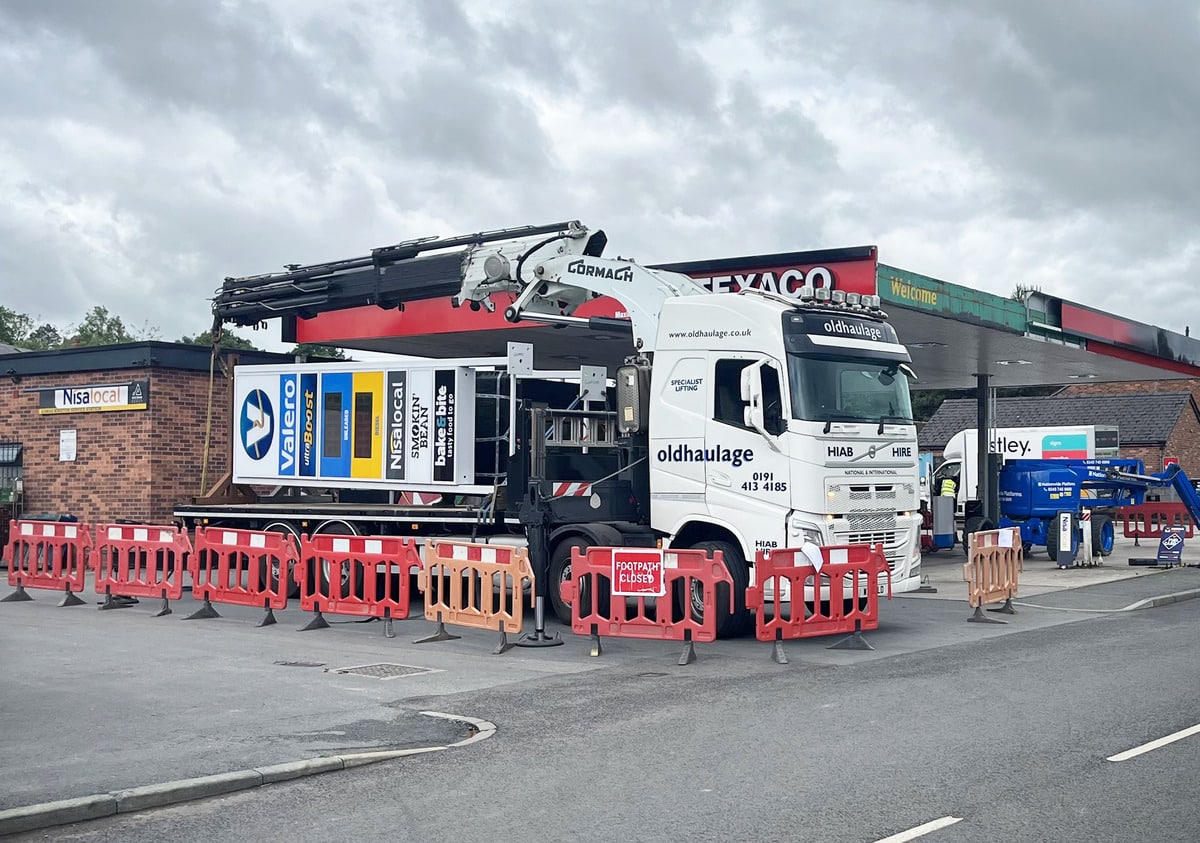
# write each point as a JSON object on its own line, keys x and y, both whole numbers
{"x": 954, "y": 334}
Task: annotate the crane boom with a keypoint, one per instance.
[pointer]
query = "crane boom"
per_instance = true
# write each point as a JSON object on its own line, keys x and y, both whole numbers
{"x": 550, "y": 269}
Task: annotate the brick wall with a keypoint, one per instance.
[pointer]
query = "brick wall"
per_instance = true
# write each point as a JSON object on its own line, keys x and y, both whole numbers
{"x": 1184, "y": 442}
{"x": 136, "y": 464}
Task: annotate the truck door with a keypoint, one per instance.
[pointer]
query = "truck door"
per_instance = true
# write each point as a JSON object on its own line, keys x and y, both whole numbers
{"x": 747, "y": 471}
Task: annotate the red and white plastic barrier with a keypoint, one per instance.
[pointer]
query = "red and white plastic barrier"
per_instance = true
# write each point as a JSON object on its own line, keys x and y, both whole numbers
{"x": 242, "y": 567}
{"x": 838, "y": 596}
{"x": 367, "y": 576}
{"x": 140, "y": 560}
{"x": 49, "y": 555}
{"x": 605, "y": 580}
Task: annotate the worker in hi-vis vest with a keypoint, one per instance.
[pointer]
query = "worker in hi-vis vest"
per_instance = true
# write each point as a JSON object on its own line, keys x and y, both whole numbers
{"x": 948, "y": 487}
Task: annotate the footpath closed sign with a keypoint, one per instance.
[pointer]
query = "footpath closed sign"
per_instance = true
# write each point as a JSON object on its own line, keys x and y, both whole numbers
{"x": 638, "y": 573}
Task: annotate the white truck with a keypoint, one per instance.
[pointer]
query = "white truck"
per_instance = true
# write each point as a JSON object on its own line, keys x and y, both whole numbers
{"x": 738, "y": 421}
{"x": 960, "y": 463}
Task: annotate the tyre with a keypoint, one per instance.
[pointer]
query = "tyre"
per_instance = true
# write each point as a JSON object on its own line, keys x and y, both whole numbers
{"x": 267, "y": 579}
{"x": 729, "y": 625}
{"x": 1103, "y": 534}
{"x": 974, "y": 524}
{"x": 341, "y": 586}
{"x": 1052, "y": 546}
{"x": 560, "y": 572}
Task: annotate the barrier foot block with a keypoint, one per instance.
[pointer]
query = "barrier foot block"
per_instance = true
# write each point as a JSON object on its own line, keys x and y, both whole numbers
{"x": 1006, "y": 609}
{"x": 688, "y": 656}
{"x": 115, "y": 601}
{"x": 504, "y": 646}
{"x": 205, "y": 611}
{"x": 318, "y": 622}
{"x": 777, "y": 654}
{"x": 853, "y": 641}
{"x": 268, "y": 618}
{"x": 539, "y": 638}
{"x": 440, "y": 634}
{"x": 597, "y": 648}
{"x": 388, "y": 631}
{"x": 164, "y": 609}
{"x": 18, "y": 596}
{"x": 980, "y": 617}
{"x": 70, "y": 599}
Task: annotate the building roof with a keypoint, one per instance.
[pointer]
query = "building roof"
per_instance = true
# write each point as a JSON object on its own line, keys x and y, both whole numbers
{"x": 131, "y": 355}
{"x": 1146, "y": 419}
{"x": 5, "y": 348}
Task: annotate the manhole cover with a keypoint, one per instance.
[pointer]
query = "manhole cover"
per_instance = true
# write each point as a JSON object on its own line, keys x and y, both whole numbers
{"x": 385, "y": 671}
{"x": 300, "y": 664}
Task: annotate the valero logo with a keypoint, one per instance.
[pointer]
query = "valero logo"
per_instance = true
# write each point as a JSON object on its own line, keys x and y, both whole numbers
{"x": 257, "y": 424}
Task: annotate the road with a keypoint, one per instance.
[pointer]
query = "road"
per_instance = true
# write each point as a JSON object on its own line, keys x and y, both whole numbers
{"x": 1008, "y": 734}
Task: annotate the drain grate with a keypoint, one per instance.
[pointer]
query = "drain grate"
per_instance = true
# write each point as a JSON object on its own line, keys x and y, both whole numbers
{"x": 385, "y": 671}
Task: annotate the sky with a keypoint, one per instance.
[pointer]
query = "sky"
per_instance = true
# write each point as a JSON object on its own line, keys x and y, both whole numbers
{"x": 150, "y": 148}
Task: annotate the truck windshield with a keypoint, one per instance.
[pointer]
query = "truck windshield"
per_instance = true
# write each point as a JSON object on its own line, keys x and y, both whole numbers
{"x": 848, "y": 389}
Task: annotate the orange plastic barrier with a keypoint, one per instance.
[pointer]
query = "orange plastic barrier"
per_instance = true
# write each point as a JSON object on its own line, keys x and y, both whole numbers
{"x": 356, "y": 575}
{"x": 852, "y": 570}
{"x": 1148, "y": 520}
{"x": 47, "y": 554}
{"x": 140, "y": 560}
{"x": 605, "y": 581}
{"x": 991, "y": 572}
{"x": 243, "y": 567}
{"x": 475, "y": 585}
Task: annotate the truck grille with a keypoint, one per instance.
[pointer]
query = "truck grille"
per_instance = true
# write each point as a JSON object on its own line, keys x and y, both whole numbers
{"x": 892, "y": 541}
{"x": 842, "y": 497}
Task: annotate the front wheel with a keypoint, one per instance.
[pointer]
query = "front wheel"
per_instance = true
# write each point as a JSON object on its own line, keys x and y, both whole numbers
{"x": 560, "y": 572}
{"x": 1103, "y": 534}
{"x": 728, "y": 624}
{"x": 975, "y": 524}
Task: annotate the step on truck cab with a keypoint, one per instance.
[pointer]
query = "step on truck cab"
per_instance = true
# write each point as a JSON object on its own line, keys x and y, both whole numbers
{"x": 738, "y": 422}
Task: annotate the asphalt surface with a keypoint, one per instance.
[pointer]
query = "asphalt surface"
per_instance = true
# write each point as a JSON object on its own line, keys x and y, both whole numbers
{"x": 102, "y": 702}
{"x": 1010, "y": 735}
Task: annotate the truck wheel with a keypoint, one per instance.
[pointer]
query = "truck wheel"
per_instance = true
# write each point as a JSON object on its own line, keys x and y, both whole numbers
{"x": 270, "y": 579}
{"x": 1103, "y": 534}
{"x": 341, "y": 585}
{"x": 560, "y": 572}
{"x": 974, "y": 524}
{"x": 729, "y": 625}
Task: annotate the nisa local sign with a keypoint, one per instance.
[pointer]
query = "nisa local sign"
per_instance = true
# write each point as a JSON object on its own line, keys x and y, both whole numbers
{"x": 96, "y": 398}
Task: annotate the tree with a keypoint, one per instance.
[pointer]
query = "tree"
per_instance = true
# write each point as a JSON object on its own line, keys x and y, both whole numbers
{"x": 99, "y": 327}
{"x": 326, "y": 352}
{"x": 44, "y": 337}
{"x": 228, "y": 340}
{"x": 14, "y": 327}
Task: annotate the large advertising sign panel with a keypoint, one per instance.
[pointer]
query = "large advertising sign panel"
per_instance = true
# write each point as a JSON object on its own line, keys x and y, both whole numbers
{"x": 359, "y": 427}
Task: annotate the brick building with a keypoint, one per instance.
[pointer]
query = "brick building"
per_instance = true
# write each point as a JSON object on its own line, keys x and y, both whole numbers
{"x": 1155, "y": 420}
{"x": 113, "y": 432}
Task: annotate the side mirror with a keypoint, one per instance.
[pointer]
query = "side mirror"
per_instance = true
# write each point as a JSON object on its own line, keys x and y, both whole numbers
{"x": 754, "y": 413}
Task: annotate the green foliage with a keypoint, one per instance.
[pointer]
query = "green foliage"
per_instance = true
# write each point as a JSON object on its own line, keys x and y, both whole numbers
{"x": 311, "y": 351}
{"x": 14, "y": 327}
{"x": 228, "y": 340}
{"x": 99, "y": 327}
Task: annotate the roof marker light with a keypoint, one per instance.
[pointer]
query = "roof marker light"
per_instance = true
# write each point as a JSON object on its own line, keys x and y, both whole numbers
{"x": 839, "y": 296}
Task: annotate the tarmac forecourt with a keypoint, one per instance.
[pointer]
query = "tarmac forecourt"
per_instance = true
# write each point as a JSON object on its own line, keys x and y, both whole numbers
{"x": 111, "y": 712}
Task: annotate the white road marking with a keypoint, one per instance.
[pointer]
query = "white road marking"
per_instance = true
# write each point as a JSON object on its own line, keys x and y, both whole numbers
{"x": 1161, "y": 742}
{"x": 921, "y": 830}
